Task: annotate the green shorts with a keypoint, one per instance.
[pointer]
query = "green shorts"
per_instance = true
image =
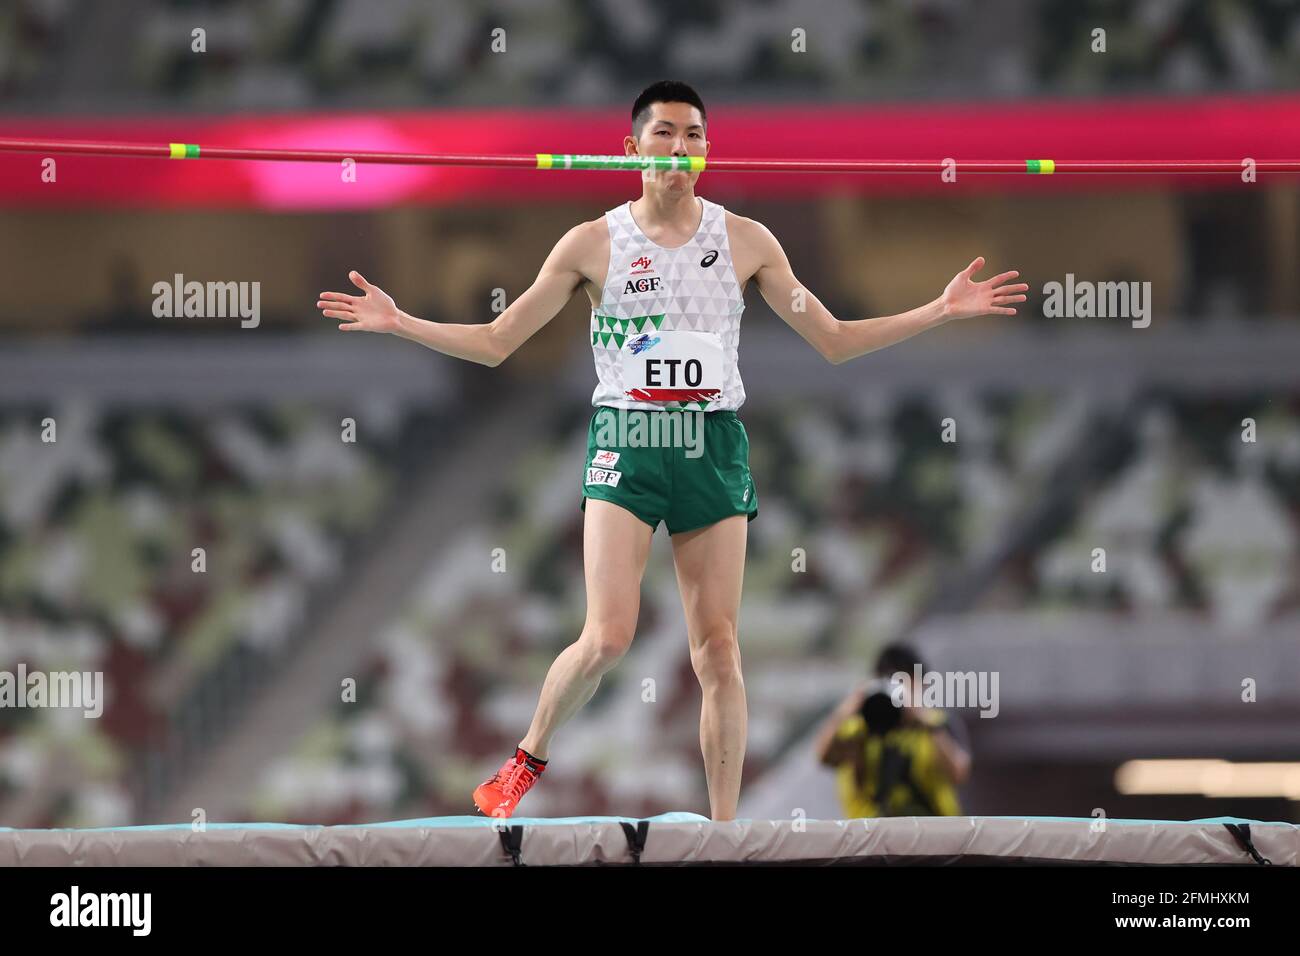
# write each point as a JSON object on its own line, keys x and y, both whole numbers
{"x": 687, "y": 469}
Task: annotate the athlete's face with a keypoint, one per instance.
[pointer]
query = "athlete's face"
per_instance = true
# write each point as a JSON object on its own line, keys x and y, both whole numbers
{"x": 673, "y": 129}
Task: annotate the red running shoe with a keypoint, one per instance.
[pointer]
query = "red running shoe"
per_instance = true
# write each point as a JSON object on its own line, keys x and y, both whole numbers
{"x": 500, "y": 794}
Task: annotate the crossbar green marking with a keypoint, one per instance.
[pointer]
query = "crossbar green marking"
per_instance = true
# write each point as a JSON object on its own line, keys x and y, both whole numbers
{"x": 580, "y": 161}
{"x": 184, "y": 151}
{"x": 1044, "y": 167}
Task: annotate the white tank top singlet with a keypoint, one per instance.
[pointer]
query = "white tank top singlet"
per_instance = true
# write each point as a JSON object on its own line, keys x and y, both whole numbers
{"x": 667, "y": 331}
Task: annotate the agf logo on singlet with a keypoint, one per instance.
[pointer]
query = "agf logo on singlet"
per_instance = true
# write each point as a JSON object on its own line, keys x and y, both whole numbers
{"x": 644, "y": 284}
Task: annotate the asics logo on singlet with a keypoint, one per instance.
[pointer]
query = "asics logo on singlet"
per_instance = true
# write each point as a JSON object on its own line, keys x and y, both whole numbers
{"x": 642, "y": 342}
{"x": 711, "y": 258}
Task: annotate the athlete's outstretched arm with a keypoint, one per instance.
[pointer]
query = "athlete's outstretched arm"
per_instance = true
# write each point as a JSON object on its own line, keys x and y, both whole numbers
{"x": 840, "y": 341}
{"x": 488, "y": 343}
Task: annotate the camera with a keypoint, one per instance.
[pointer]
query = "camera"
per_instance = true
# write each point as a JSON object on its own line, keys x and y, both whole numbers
{"x": 879, "y": 709}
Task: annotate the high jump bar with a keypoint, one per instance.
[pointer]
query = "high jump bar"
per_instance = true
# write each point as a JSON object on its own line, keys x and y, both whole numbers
{"x": 576, "y": 161}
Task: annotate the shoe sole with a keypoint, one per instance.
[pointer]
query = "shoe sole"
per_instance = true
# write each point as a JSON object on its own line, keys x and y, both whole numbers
{"x": 494, "y": 814}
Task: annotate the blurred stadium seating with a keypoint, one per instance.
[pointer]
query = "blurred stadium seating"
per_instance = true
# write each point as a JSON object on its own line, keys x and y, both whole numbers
{"x": 295, "y": 54}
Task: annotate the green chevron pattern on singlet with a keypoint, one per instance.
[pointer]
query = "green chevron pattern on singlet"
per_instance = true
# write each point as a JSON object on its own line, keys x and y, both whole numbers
{"x": 612, "y": 332}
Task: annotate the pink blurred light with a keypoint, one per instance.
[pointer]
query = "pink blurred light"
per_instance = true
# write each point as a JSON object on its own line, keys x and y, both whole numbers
{"x": 321, "y": 185}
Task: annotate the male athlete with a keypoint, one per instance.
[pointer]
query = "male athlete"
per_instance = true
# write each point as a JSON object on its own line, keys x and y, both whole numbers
{"x": 666, "y": 276}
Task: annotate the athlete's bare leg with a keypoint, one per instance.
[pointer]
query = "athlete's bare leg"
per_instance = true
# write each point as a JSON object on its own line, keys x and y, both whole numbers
{"x": 710, "y": 568}
{"x": 615, "y": 546}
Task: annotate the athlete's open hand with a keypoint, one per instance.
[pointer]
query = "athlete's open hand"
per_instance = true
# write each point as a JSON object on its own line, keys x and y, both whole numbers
{"x": 965, "y": 298}
{"x": 373, "y": 312}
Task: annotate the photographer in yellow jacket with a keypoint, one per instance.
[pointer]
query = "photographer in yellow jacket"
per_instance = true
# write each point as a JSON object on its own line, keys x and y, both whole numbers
{"x": 893, "y": 760}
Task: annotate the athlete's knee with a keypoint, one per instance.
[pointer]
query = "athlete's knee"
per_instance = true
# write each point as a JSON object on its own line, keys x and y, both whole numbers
{"x": 716, "y": 655}
{"x": 605, "y": 645}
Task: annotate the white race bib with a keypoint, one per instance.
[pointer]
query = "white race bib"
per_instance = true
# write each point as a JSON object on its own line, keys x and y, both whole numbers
{"x": 682, "y": 366}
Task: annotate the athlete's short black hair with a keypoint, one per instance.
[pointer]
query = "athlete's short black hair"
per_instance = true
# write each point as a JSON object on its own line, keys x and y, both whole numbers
{"x": 665, "y": 91}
